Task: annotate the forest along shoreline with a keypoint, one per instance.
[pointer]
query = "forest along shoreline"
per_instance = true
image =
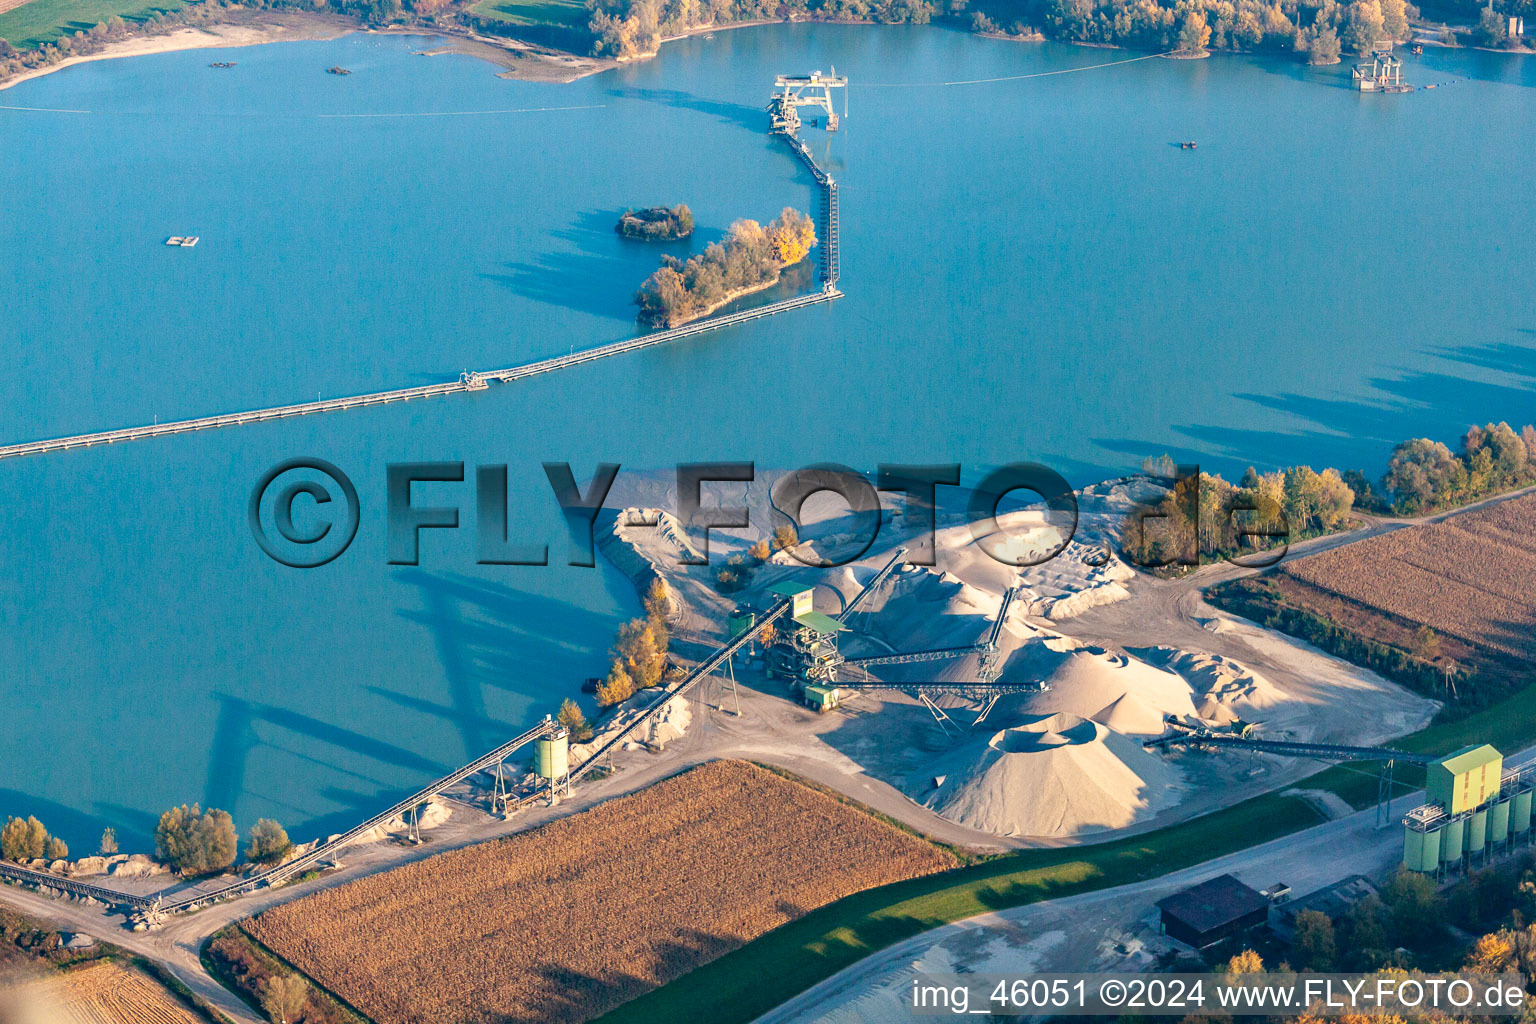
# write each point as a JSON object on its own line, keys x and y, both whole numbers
{"x": 620, "y": 31}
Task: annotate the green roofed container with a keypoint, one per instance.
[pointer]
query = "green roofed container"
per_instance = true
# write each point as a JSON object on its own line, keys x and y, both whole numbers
{"x": 1498, "y": 821}
{"x": 1520, "y": 813}
{"x": 799, "y": 593}
{"x": 1465, "y": 779}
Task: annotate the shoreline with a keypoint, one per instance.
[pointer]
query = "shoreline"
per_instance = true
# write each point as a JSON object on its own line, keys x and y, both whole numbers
{"x": 742, "y": 293}
{"x": 519, "y": 60}
{"x": 268, "y": 27}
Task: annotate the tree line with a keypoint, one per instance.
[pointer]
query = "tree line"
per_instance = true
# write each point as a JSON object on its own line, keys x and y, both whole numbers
{"x": 1204, "y": 518}
{"x": 750, "y": 256}
{"x": 628, "y": 28}
{"x": 1425, "y": 476}
{"x": 1320, "y": 29}
{"x": 192, "y": 841}
{"x": 1411, "y": 925}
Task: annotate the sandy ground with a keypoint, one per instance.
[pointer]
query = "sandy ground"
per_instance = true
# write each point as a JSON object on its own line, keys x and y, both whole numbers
{"x": 241, "y": 30}
{"x": 1116, "y": 651}
{"x": 250, "y": 28}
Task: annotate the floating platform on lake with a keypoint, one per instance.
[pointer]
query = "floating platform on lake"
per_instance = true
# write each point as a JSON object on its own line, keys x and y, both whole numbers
{"x": 337, "y": 71}
{"x": 1187, "y": 145}
{"x": 223, "y": 64}
{"x": 185, "y": 241}
{"x": 1383, "y": 74}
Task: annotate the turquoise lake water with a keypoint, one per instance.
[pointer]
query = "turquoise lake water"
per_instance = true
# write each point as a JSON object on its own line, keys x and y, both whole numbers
{"x": 1033, "y": 269}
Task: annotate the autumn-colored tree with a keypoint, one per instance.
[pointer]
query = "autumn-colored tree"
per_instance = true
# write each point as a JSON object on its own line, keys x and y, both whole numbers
{"x": 1363, "y": 25}
{"x": 616, "y": 688}
{"x": 1246, "y": 962}
{"x": 785, "y": 537}
{"x": 791, "y": 236}
{"x": 761, "y": 550}
{"x": 658, "y": 603}
{"x": 641, "y": 653}
{"x": 1195, "y": 33}
{"x": 574, "y": 721}
{"x": 268, "y": 842}
{"x": 1492, "y": 954}
{"x": 284, "y": 997}
{"x": 108, "y": 845}
{"x": 23, "y": 839}
{"x": 57, "y": 849}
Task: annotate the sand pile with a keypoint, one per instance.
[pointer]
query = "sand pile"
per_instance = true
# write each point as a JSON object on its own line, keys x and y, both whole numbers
{"x": 1225, "y": 690}
{"x": 920, "y": 609}
{"x": 1122, "y": 692}
{"x": 1054, "y": 775}
{"x": 668, "y": 724}
{"x": 433, "y": 813}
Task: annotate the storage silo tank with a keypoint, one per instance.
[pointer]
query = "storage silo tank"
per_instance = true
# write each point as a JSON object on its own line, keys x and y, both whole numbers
{"x": 552, "y": 756}
{"x": 1421, "y": 850}
{"x": 1477, "y": 830}
{"x": 1451, "y": 838}
{"x": 1431, "y": 858}
{"x": 1498, "y": 822}
{"x": 1520, "y": 813}
{"x": 1413, "y": 848}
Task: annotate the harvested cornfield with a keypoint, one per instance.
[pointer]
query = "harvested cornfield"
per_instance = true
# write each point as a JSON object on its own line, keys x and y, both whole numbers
{"x": 101, "y": 993}
{"x": 576, "y": 917}
{"x": 1471, "y": 577}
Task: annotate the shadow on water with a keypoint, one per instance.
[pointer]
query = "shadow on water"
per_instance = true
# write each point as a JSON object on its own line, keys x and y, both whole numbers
{"x": 486, "y": 634}
{"x": 1420, "y": 404}
{"x": 490, "y": 635}
{"x": 79, "y": 829}
{"x": 737, "y": 114}
{"x": 585, "y": 278}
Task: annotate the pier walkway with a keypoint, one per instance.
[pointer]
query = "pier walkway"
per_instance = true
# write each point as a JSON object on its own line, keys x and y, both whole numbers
{"x": 469, "y": 381}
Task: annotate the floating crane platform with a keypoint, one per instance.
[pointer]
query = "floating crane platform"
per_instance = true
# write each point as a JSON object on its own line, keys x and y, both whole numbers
{"x": 1383, "y": 74}
{"x": 812, "y": 90}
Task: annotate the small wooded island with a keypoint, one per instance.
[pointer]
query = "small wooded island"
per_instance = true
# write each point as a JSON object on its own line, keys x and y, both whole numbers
{"x": 750, "y": 259}
{"x": 657, "y": 223}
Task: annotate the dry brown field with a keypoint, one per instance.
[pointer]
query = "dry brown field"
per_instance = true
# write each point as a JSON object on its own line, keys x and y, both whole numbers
{"x": 101, "y": 993}
{"x": 1471, "y": 577}
{"x": 569, "y": 920}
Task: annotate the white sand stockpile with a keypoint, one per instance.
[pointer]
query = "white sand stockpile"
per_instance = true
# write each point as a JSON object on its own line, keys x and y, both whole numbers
{"x": 1056, "y": 775}
{"x": 1083, "y": 575}
{"x": 1225, "y": 690}
{"x": 1122, "y": 692}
